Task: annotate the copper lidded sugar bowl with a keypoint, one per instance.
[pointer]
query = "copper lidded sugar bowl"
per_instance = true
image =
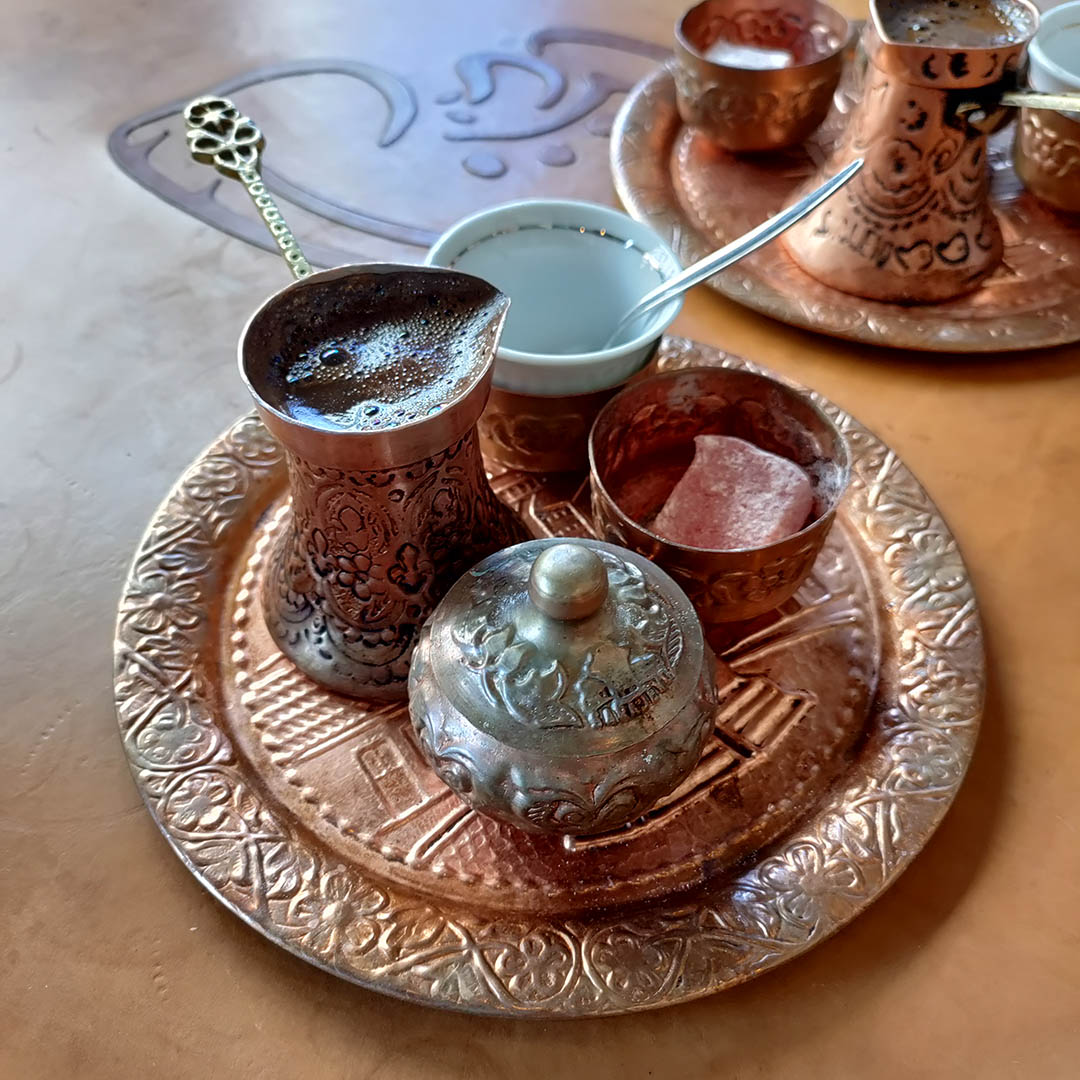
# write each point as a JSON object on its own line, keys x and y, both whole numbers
{"x": 563, "y": 686}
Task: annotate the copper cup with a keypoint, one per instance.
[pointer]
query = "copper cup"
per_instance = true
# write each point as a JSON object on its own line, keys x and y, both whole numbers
{"x": 1047, "y": 148}
{"x": 1047, "y": 157}
{"x": 749, "y": 108}
{"x": 642, "y": 443}
{"x": 382, "y": 522}
{"x": 540, "y": 434}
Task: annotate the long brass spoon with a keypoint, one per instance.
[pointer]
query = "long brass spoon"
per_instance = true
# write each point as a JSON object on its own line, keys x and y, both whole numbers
{"x": 219, "y": 134}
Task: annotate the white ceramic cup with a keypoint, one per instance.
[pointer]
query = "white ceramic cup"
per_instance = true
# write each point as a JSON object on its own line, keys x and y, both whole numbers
{"x": 1054, "y": 53}
{"x": 571, "y": 270}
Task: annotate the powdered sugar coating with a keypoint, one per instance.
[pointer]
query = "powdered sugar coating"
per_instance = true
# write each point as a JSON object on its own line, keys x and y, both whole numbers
{"x": 735, "y": 495}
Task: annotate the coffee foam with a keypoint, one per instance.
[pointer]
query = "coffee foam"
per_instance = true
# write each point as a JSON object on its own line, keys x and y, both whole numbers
{"x": 373, "y": 350}
{"x": 956, "y": 23}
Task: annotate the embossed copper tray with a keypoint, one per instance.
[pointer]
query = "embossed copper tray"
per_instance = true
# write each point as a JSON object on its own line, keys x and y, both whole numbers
{"x": 843, "y": 734}
{"x": 699, "y": 198}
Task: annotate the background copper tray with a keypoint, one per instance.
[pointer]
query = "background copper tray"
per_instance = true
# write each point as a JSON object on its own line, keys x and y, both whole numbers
{"x": 699, "y": 198}
{"x": 841, "y": 743}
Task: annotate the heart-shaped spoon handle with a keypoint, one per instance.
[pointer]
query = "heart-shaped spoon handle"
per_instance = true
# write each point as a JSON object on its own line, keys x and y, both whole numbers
{"x": 219, "y": 134}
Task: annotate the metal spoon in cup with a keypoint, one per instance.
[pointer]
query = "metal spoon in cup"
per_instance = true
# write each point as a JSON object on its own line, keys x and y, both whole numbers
{"x": 987, "y": 114}
{"x": 733, "y": 252}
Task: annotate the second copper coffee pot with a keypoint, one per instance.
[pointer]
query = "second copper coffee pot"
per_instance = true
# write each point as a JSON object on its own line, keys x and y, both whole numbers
{"x": 916, "y": 225}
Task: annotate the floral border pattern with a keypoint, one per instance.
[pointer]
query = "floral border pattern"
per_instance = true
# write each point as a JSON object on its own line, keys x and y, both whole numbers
{"x": 210, "y": 806}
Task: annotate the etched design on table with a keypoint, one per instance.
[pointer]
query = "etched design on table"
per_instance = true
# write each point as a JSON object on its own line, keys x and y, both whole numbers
{"x": 570, "y": 90}
{"x": 616, "y": 682}
{"x": 262, "y": 865}
{"x": 346, "y": 576}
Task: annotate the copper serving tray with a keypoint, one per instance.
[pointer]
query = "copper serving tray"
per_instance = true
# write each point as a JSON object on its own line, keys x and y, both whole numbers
{"x": 700, "y": 197}
{"x": 839, "y": 744}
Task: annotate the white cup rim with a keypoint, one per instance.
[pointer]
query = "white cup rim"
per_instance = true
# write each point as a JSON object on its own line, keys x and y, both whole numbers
{"x": 661, "y": 318}
{"x": 1049, "y": 23}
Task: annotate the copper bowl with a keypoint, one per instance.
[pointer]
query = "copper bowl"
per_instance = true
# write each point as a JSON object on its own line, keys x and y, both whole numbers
{"x": 1047, "y": 157}
{"x": 642, "y": 443}
{"x": 744, "y": 108}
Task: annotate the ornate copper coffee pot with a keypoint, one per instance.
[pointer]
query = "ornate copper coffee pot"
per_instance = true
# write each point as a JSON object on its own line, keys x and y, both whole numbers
{"x": 383, "y": 522}
{"x": 916, "y": 224}
{"x": 390, "y": 502}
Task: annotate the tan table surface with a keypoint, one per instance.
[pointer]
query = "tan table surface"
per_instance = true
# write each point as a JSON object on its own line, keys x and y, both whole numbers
{"x": 120, "y": 316}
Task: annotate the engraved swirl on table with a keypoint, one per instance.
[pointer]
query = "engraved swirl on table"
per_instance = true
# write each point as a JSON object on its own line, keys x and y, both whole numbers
{"x": 698, "y": 198}
{"x": 209, "y": 779}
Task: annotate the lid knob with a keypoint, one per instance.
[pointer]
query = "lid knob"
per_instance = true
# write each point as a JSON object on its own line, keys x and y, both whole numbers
{"x": 568, "y": 581}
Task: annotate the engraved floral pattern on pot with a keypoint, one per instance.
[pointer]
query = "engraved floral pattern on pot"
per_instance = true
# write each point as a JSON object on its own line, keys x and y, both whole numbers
{"x": 356, "y": 583}
{"x": 355, "y": 574}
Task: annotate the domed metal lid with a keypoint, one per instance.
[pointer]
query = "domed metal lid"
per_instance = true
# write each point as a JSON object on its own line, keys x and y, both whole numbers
{"x": 575, "y": 647}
